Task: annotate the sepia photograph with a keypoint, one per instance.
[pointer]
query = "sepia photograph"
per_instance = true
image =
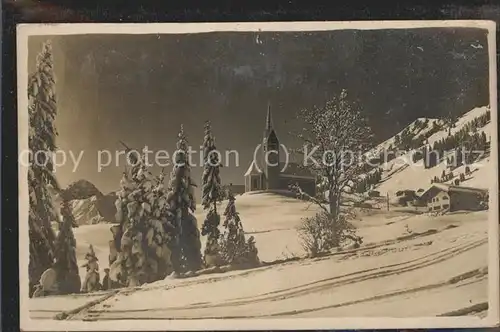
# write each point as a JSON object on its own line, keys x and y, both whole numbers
{"x": 281, "y": 175}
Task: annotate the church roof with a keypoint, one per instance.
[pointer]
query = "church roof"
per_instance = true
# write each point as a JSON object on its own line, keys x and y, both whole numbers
{"x": 294, "y": 169}
{"x": 253, "y": 169}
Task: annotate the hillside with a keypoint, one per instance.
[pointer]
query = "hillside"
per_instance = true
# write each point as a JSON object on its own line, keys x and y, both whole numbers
{"x": 418, "y": 129}
{"x": 401, "y": 173}
{"x": 461, "y": 122}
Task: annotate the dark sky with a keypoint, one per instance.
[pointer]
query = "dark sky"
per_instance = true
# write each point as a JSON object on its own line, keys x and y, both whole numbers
{"x": 140, "y": 88}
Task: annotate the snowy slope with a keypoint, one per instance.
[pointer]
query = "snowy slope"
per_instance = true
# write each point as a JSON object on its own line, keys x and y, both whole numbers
{"x": 419, "y": 131}
{"x": 272, "y": 219}
{"x": 416, "y": 177}
{"x": 414, "y": 131}
{"x": 367, "y": 283}
{"x": 401, "y": 173}
{"x": 426, "y": 275}
{"x": 461, "y": 122}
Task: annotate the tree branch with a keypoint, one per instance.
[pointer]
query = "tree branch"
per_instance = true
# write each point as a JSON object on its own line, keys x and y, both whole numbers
{"x": 311, "y": 199}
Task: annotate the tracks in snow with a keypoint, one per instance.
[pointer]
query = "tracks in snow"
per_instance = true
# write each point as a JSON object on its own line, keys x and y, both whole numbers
{"x": 319, "y": 286}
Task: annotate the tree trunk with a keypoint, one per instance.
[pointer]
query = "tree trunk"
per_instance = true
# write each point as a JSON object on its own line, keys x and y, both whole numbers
{"x": 176, "y": 254}
{"x": 334, "y": 204}
{"x": 334, "y": 211}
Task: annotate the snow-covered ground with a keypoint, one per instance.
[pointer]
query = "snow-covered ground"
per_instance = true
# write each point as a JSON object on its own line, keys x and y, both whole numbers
{"x": 270, "y": 218}
{"x": 409, "y": 265}
{"x": 99, "y": 236}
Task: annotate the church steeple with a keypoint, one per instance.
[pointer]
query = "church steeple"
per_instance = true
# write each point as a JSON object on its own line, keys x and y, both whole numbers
{"x": 270, "y": 154}
{"x": 269, "y": 120}
{"x": 270, "y": 140}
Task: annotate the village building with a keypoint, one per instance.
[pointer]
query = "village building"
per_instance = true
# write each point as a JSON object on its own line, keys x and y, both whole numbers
{"x": 236, "y": 189}
{"x": 442, "y": 196}
{"x": 272, "y": 174}
{"x": 404, "y": 197}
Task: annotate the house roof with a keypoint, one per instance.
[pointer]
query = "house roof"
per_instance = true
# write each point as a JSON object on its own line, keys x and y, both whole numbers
{"x": 405, "y": 192}
{"x": 253, "y": 169}
{"x": 449, "y": 188}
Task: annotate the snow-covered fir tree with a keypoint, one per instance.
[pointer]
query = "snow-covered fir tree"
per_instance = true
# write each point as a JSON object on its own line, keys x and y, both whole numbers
{"x": 42, "y": 133}
{"x": 143, "y": 238}
{"x": 211, "y": 195}
{"x": 186, "y": 255}
{"x": 91, "y": 283}
{"x": 66, "y": 265}
{"x": 449, "y": 121}
{"x": 235, "y": 250}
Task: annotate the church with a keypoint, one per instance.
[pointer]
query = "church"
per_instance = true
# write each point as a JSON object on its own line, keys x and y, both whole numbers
{"x": 274, "y": 174}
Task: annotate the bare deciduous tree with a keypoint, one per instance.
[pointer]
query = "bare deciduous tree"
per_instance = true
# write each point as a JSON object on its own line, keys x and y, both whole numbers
{"x": 336, "y": 138}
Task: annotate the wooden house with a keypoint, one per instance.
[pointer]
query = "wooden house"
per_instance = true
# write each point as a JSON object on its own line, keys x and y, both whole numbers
{"x": 442, "y": 196}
